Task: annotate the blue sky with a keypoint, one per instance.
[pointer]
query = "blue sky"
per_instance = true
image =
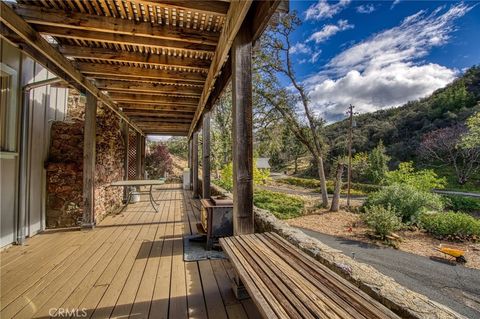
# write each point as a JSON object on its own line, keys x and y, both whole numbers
{"x": 380, "y": 54}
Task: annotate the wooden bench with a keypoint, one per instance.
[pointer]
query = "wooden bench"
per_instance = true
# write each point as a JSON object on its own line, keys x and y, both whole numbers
{"x": 284, "y": 282}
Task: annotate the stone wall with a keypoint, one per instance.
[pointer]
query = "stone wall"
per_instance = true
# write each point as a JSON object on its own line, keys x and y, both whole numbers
{"x": 404, "y": 302}
{"x": 65, "y": 165}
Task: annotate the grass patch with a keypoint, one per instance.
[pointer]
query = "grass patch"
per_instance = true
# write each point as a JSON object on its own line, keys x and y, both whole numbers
{"x": 281, "y": 205}
{"x": 451, "y": 225}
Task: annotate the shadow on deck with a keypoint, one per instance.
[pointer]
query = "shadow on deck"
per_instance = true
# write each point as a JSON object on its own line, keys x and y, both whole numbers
{"x": 131, "y": 265}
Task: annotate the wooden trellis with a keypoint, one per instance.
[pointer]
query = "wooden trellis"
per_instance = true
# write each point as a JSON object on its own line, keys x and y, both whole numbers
{"x": 132, "y": 155}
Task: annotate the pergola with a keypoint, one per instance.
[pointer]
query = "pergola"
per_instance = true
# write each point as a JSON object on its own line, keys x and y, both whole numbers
{"x": 159, "y": 65}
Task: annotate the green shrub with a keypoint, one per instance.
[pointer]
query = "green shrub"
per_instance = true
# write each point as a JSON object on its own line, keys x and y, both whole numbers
{"x": 462, "y": 204}
{"x": 451, "y": 224}
{"x": 302, "y": 182}
{"x": 382, "y": 220}
{"x": 407, "y": 201}
{"x": 424, "y": 180}
{"x": 281, "y": 205}
{"x": 226, "y": 179}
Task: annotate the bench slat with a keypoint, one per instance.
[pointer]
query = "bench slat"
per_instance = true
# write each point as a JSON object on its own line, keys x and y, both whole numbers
{"x": 285, "y": 282}
{"x": 319, "y": 301}
{"x": 347, "y": 291}
{"x": 249, "y": 278}
{"x": 278, "y": 279}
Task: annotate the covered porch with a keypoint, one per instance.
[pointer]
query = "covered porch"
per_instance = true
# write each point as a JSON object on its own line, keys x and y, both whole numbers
{"x": 131, "y": 265}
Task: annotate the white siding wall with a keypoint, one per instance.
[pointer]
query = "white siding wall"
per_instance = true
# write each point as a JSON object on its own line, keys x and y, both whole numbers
{"x": 47, "y": 104}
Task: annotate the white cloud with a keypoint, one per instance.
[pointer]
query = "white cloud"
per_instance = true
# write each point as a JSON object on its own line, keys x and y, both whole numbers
{"x": 386, "y": 70}
{"x": 324, "y": 9}
{"x": 315, "y": 56}
{"x": 394, "y": 4}
{"x": 300, "y": 48}
{"x": 366, "y": 8}
{"x": 378, "y": 88}
{"x": 329, "y": 30}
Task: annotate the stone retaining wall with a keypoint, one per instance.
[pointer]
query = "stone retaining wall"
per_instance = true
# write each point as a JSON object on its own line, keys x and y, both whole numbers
{"x": 404, "y": 302}
{"x": 65, "y": 165}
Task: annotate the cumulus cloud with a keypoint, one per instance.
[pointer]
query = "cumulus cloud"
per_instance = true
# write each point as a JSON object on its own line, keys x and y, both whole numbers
{"x": 329, "y": 30}
{"x": 365, "y": 8}
{"x": 386, "y": 70}
{"x": 394, "y": 4}
{"x": 324, "y": 9}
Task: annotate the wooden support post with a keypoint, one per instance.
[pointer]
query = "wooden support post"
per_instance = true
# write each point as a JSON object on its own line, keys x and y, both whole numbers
{"x": 125, "y": 158}
{"x": 195, "y": 165}
{"x": 243, "y": 221}
{"x": 138, "y": 153}
{"x": 89, "y": 142}
{"x": 190, "y": 161}
{"x": 206, "y": 156}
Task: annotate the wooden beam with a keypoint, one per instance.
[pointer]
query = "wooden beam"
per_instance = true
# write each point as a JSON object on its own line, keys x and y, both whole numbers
{"x": 200, "y": 6}
{"x": 120, "y": 70}
{"x": 89, "y": 143}
{"x": 235, "y": 17}
{"x": 137, "y": 57}
{"x": 89, "y": 22}
{"x": 190, "y": 161}
{"x": 152, "y": 107}
{"x": 142, "y": 80}
{"x": 124, "y": 39}
{"x": 257, "y": 18}
{"x": 167, "y": 133}
{"x": 242, "y": 125}
{"x": 206, "y": 156}
{"x": 161, "y": 120}
{"x": 195, "y": 165}
{"x": 159, "y": 88}
{"x": 42, "y": 48}
{"x": 134, "y": 115}
{"x": 159, "y": 99}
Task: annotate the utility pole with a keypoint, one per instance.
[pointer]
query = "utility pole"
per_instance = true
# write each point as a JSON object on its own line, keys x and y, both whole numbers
{"x": 349, "y": 172}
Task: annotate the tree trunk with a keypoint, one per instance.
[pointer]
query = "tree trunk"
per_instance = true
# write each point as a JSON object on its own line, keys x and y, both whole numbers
{"x": 296, "y": 166}
{"x": 338, "y": 186}
{"x": 323, "y": 181}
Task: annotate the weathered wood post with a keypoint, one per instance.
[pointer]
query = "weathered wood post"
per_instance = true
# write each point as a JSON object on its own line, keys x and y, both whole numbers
{"x": 190, "y": 162}
{"x": 89, "y": 143}
{"x": 138, "y": 159}
{"x": 241, "y": 53}
{"x": 195, "y": 165}
{"x": 125, "y": 157}
{"x": 206, "y": 156}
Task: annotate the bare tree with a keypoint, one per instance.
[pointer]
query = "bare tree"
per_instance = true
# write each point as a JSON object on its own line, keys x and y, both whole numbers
{"x": 273, "y": 58}
{"x": 443, "y": 146}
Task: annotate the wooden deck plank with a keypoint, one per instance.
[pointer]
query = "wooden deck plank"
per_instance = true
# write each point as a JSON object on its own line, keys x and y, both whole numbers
{"x": 131, "y": 264}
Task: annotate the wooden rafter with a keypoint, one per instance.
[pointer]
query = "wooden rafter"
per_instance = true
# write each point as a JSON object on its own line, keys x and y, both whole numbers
{"x": 143, "y": 80}
{"x": 162, "y": 120}
{"x": 89, "y": 22}
{"x": 135, "y": 87}
{"x": 22, "y": 29}
{"x": 158, "y": 74}
{"x": 235, "y": 17}
{"x": 124, "y": 39}
{"x": 153, "y": 98}
{"x": 137, "y": 57}
{"x": 152, "y": 106}
{"x": 206, "y": 7}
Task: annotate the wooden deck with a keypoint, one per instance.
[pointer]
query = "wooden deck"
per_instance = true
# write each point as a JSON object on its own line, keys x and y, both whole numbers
{"x": 131, "y": 265}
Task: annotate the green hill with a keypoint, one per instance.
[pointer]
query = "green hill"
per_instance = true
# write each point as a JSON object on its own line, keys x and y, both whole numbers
{"x": 401, "y": 128}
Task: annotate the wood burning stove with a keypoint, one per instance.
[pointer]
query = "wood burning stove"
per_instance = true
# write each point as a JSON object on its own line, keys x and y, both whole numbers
{"x": 216, "y": 219}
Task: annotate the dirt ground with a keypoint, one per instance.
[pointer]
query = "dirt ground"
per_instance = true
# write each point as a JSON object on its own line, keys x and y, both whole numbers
{"x": 349, "y": 225}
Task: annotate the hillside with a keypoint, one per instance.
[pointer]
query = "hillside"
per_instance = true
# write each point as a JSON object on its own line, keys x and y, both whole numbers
{"x": 401, "y": 128}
